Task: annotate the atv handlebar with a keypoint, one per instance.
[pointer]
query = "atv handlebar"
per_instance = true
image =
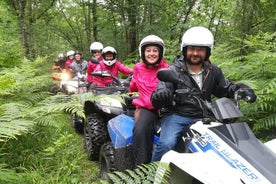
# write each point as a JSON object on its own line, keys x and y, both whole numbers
{"x": 222, "y": 108}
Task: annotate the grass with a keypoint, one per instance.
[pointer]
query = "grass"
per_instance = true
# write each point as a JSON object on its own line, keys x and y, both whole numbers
{"x": 49, "y": 154}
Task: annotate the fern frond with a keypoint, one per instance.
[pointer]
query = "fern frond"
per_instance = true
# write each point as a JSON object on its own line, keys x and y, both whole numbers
{"x": 146, "y": 173}
{"x": 10, "y": 129}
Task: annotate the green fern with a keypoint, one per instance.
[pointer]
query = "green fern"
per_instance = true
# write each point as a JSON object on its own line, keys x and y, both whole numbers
{"x": 257, "y": 70}
{"x": 147, "y": 173}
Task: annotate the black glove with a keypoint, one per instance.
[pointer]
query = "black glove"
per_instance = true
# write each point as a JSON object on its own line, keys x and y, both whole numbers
{"x": 161, "y": 98}
{"x": 246, "y": 93}
{"x": 94, "y": 60}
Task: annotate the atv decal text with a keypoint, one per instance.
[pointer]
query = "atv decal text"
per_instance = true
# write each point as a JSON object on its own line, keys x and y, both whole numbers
{"x": 211, "y": 144}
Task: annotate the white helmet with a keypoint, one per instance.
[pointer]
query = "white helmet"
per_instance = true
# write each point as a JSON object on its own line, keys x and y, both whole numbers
{"x": 198, "y": 36}
{"x": 60, "y": 55}
{"x": 152, "y": 40}
{"x": 106, "y": 50}
{"x": 96, "y": 46}
{"x": 70, "y": 53}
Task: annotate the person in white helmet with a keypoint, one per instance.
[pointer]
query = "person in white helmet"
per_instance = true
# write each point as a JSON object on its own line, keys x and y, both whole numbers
{"x": 200, "y": 77}
{"x": 111, "y": 64}
{"x": 70, "y": 58}
{"x": 96, "y": 52}
{"x": 144, "y": 81}
{"x": 59, "y": 64}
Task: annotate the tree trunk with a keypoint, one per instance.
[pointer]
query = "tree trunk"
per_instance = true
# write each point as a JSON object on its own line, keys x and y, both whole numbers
{"x": 132, "y": 29}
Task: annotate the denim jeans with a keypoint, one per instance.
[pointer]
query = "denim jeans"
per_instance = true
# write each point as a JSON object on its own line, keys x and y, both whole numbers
{"x": 171, "y": 129}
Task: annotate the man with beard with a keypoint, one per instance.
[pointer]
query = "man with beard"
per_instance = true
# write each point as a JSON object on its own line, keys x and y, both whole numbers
{"x": 200, "y": 77}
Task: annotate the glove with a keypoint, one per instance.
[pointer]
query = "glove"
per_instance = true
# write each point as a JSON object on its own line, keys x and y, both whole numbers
{"x": 246, "y": 93}
{"x": 94, "y": 60}
{"x": 161, "y": 98}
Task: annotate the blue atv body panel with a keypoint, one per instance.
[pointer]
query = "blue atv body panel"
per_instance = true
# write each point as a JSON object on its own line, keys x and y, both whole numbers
{"x": 120, "y": 130}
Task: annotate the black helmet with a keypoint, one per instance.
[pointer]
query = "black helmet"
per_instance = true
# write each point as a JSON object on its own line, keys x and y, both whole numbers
{"x": 78, "y": 52}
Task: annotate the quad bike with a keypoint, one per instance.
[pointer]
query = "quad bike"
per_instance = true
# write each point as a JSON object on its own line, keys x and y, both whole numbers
{"x": 116, "y": 154}
{"x": 220, "y": 152}
{"x": 110, "y": 101}
{"x": 58, "y": 75}
{"x": 213, "y": 150}
{"x": 76, "y": 85}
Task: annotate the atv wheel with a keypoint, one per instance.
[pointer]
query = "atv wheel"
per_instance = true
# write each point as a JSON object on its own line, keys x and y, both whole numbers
{"x": 107, "y": 160}
{"x": 54, "y": 89}
{"x": 77, "y": 124}
{"x": 95, "y": 131}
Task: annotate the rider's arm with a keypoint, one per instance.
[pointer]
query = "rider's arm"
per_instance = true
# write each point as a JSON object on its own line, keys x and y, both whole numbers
{"x": 133, "y": 86}
{"x": 124, "y": 69}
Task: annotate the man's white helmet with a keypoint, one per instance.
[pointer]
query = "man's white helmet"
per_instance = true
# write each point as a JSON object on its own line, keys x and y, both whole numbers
{"x": 152, "y": 40}
{"x": 111, "y": 50}
{"x": 96, "y": 46}
{"x": 198, "y": 36}
{"x": 70, "y": 53}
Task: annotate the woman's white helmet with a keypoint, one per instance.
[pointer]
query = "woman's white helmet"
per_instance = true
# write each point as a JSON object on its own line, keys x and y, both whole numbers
{"x": 70, "y": 53}
{"x": 152, "y": 40}
{"x": 111, "y": 50}
{"x": 198, "y": 36}
{"x": 96, "y": 46}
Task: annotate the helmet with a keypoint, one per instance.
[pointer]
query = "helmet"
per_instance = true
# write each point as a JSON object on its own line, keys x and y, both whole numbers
{"x": 60, "y": 55}
{"x": 106, "y": 50}
{"x": 70, "y": 53}
{"x": 198, "y": 36}
{"x": 152, "y": 40}
{"x": 96, "y": 46}
{"x": 78, "y": 52}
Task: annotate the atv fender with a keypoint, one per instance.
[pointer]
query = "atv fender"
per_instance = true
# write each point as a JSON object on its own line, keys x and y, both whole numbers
{"x": 89, "y": 107}
{"x": 271, "y": 145}
{"x": 186, "y": 166}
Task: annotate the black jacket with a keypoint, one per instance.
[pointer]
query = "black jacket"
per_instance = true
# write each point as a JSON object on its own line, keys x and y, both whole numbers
{"x": 213, "y": 83}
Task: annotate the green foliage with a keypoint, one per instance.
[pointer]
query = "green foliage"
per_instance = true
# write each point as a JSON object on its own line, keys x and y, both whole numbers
{"x": 10, "y": 46}
{"x": 257, "y": 70}
{"x": 9, "y": 175}
{"x": 38, "y": 145}
{"x": 147, "y": 173}
{"x": 50, "y": 154}
{"x": 20, "y": 90}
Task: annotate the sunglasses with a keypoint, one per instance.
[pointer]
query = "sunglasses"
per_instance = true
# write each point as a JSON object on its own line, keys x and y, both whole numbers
{"x": 96, "y": 51}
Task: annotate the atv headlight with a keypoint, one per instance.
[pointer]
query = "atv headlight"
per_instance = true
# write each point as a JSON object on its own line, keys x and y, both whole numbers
{"x": 65, "y": 76}
{"x": 108, "y": 101}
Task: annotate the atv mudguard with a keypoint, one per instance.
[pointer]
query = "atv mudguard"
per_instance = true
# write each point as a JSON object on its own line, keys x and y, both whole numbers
{"x": 120, "y": 131}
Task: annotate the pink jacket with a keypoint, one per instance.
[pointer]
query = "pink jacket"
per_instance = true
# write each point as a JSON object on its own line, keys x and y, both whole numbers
{"x": 145, "y": 81}
{"x": 68, "y": 63}
{"x": 90, "y": 68}
{"x": 114, "y": 70}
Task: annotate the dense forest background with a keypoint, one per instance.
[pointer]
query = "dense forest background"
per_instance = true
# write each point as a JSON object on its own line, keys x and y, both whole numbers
{"x": 37, "y": 144}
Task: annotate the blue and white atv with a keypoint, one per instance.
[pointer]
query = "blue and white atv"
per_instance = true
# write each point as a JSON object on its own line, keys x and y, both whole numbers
{"x": 220, "y": 153}
{"x": 110, "y": 101}
{"x": 214, "y": 150}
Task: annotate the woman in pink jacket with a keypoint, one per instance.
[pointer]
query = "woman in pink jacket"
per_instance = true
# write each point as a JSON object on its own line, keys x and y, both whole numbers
{"x": 144, "y": 81}
{"x": 112, "y": 65}
{"x": 96, "y": 52}
{"x": 70, "y": 58}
